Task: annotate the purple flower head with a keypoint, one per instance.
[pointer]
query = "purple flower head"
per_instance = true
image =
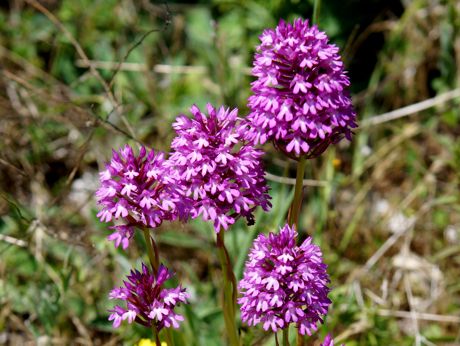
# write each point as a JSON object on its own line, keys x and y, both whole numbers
{"x": 300, "y": 99}
{"x": 328, "y": 341}
{"x": 147, "y": 302}
{"x": 137, "y": 191}
{"x": 220, "y": 172}
{"x": 284, "y": 283}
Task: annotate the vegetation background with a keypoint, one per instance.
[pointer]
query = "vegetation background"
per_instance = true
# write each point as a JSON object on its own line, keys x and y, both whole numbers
{"x": 385, "y": 208}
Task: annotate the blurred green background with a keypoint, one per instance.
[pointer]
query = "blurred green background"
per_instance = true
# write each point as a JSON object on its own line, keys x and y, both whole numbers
{"x": 385, "y": 208}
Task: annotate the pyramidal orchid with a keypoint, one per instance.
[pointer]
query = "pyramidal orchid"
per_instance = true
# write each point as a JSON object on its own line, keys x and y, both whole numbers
{"x": 300, "y": 99}
{"x": 147, "y": 301}
{"x": 137, "y": 190}
{"x": 221, "y": 172}
{"x": 284, "y": 283}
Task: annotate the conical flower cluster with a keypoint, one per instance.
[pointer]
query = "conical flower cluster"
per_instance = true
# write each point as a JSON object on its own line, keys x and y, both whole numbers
{"x": 284, "y": 283}
{"x": 220, "y": 172}
{"x": 137, "y": 191}
{"x": 147, "y": 302}
{"x": 300, "y": 99}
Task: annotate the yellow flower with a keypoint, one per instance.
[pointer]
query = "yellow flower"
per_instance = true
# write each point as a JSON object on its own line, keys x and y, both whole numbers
{"x": 336, "y": 162}
{"x": 148, "y": 342}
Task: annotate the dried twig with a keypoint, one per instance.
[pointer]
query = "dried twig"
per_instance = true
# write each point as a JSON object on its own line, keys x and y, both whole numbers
{"x": 51, "y": 97}
{"x": 139, "y": 67}
{"x": 410, "y": 299}
{"x": 387, "y": 245}
{"x": 75, "y": 44}
{"x": 13, "y": 241}
{"x": 16, "y": 169}
{"x": 419, "y": 315}
{"x": 291, "y": 181}
{"x": 167, "y": 22}
{"x": 411, "y": 109}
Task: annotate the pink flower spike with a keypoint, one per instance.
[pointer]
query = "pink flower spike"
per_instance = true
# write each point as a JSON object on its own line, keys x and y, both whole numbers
{"x": 310, "y": 82}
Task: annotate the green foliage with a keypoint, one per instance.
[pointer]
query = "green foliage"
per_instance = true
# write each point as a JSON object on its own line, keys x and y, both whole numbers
{"x": 58, "y": 127}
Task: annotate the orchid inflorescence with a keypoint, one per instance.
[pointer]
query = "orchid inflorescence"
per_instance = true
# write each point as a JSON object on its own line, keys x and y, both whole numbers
{"x": 300, "y": 103}
{"x": 284, "y": 283}
{"x": 300, "y": 99}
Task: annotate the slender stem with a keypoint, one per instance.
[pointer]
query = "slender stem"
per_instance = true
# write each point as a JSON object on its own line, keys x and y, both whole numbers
{"x": 294, "y": 210}
{"x": 316, "y": 8}
{"x": 152, "y": 250}
{"x": 156, "y": 335}
{"x": 169, "y": 337}
{"x": 286, "y": 336}
{"x": 277, "y": 343}
{"x": 229, "y": 291}
{"x": 293, "y": 216}
{"x": 299, "y": 339}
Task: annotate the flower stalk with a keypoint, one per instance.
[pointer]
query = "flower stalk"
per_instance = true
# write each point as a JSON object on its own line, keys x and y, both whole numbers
{"x": 152, "y": 250}
{"x": 229, "y": 291}
{"x": 286, "y": 336}
{"x": 156, "y": 334}
{"x": 296, "y": 206}
{"x": 316, "y": 9}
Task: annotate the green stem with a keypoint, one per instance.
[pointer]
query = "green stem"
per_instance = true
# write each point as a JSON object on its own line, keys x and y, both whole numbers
{"x": 151, "y": 250}
{"x": 156, "y": 335}
{"x": 316, "y": 8}
{"x": 286, "y": 337}
{"x": 169, "y": 337}
{"x": 294, "y": 210}
{"x": 229, "y": 291}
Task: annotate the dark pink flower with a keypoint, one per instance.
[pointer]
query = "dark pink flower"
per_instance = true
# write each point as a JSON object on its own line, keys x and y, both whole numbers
{"x": 147, "y": 302}
{"x": 284, "y": 283}
{"x": 221, "y": 173}
{"x": 138, "y": 191}
{"x": 300, "y": 99}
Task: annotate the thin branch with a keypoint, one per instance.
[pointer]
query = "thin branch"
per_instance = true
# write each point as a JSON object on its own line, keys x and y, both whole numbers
{"x": 13, "y": 241}
{"x": 98, "y": 119}
{"x": 414, "y": 318}
{"x": 291, "y": 181}
{"x": 139, "y": 67}
{"x": 75, "y": 44}
{"x": 115, "y": 127}
{"x": 8, "y": 164}
{"x": 16, "y": 208}
{"x": 411, "y": 109}
{"x": 420, "y": 315}
{"x": 387, "y": 245}
{"x": 167, "y": 22}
